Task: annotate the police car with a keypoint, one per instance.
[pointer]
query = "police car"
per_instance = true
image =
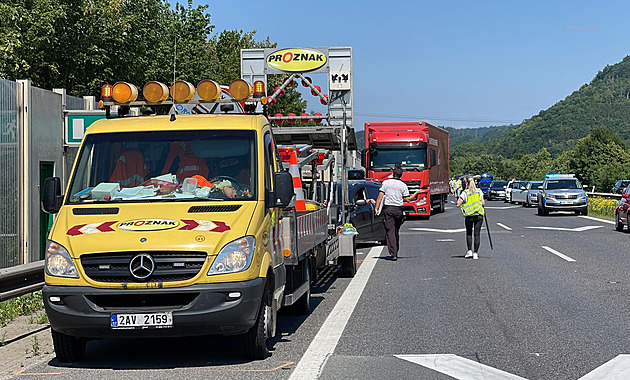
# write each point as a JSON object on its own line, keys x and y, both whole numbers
{"x": 562, "y": 192}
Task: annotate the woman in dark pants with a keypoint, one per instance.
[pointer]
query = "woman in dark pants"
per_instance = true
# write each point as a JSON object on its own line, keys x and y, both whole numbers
{"x": 471, "y": 202}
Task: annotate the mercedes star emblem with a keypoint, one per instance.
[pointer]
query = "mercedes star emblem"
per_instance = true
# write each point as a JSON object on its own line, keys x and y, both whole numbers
{"x": 141, "y": 266}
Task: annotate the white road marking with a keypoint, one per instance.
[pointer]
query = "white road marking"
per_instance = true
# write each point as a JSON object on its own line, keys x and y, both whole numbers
{"x": 324, "y": 343}
{"x": 597, "y": 219}
{"x": 563, "y": 256}
{"x": 577, "y": 229}
{"x": 438, "y": 230}
{"x": 444, "y": 240}
{"x": 615, "y": 369}
{"x": 459, "y": 368}
{"x": 501, "y": 207}
{"x": 504, "y": 226}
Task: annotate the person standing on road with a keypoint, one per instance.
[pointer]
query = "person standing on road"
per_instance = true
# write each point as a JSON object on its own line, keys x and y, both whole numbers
{"x": 392, "y": 194}
{"x": 471, "y": 203}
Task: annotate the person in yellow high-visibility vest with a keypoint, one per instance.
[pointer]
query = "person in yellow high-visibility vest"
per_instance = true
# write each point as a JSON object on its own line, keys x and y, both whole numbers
{"x": 471, "y": 203}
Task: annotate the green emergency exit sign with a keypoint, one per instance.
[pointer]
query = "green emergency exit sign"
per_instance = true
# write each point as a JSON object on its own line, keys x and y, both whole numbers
{"x": 77, "y": 122}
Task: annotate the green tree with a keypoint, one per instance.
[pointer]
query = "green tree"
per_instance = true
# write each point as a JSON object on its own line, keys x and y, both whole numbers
{"x": 534, "y": 166}
{"x": 598, "y": 159}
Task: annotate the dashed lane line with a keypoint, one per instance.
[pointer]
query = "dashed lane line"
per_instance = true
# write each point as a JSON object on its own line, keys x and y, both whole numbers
{"x": 504, "y": 226}
{"x": 561, "y": 255}
{"x": 597, "y": 219}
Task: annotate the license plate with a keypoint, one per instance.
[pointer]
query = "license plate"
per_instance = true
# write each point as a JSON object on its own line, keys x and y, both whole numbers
{"x": 140, "y": 321}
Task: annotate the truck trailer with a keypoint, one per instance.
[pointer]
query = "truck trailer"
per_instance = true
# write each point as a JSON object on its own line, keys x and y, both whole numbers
{"x": 421, "y": 150}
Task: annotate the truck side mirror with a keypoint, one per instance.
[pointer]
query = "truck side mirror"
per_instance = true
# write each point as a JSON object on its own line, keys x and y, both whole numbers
{"x": 363, "y": 157}
{"x": 283, "y": 193}
{"x": 51, "y": 202}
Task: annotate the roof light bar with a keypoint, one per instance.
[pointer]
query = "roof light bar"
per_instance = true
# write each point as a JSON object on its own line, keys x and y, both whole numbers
{"x": 240, "y": 89}
{"x": 182, "y": 91}
{"x": 155, "y": 92}
{"x": 209, "y": 90}
{"x": 124, "y": 92}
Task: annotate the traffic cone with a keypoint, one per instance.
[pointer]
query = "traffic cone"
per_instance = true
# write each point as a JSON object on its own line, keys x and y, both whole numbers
{"x": 300, "y": 204}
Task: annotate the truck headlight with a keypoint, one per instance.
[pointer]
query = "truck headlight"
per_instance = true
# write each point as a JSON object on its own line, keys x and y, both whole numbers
{"x": 234, "y": 257}
{"x": 58, "y": 261}
{"x": 422, "y": 199}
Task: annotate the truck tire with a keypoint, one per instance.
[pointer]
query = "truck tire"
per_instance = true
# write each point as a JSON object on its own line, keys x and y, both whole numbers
{"x": 257, "y": 338}
{"x": 349, "y": 264}
{"x": 68, "y": 348}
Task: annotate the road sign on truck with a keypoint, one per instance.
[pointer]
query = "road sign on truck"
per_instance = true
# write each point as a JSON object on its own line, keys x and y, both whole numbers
{"x": 421, "y": 150}
{"x": 181, "y": 224}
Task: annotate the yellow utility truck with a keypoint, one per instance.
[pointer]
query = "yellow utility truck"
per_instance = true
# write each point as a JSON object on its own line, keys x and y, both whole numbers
{"x": 181, "y": 224}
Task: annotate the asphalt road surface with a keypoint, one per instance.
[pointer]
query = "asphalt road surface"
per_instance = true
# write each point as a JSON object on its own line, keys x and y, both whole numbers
{"x": 550, "y": 301}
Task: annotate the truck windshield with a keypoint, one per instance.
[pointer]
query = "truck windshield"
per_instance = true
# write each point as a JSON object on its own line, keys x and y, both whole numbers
{"x": 387, "y": 159}
{"x": 165, "y": 166}
{"x": 562, "y": 184}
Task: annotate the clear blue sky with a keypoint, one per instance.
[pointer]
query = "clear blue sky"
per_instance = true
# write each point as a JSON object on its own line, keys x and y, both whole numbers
{"x": 451, "y": 63}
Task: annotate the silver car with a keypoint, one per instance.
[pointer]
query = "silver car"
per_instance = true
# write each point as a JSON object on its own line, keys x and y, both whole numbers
{"x": 562, "y": 193}
{"x": 519, "y": 192}
{"x": 532, "y": 193}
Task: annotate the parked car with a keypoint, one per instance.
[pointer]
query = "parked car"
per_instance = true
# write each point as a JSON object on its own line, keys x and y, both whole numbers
{"x": 562, "y": 192}
{"x": 361, "y": 213}
{"x": 532, "y": 193}
{"x": 518, "y": 192}
{"x": 496, "y": 190}
{"x": 620, "y": 186}
{"x": 508, "y": 191}
{"x": 621, "y": 213}
{"x": 484, "y": 182}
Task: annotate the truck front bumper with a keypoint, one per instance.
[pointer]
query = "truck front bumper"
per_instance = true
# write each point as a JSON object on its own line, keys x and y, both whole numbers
{"x": 201, "y": 309}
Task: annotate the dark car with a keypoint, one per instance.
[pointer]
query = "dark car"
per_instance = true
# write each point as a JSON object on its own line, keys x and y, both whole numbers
{"x": 484, "y": 182}
{"x": 496, "y": 190}
{"x": 361, "y": 213}
{"x": 620, "y": 186}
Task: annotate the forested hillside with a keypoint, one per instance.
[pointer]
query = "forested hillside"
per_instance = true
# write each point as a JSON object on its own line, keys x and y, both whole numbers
{"x": 603, "y": 103}
{"x": 587, "y": 133}
{"x": 458, "y": 136}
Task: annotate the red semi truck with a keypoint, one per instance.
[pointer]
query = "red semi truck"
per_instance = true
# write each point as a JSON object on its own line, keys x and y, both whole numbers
{"x": 421, "y": 149}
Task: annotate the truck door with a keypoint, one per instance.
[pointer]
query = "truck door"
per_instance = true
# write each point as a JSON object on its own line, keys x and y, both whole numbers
{"x": 272, "y": 213}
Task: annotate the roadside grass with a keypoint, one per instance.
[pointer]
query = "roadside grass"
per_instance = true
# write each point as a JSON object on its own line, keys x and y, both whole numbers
{"x": 28, "y": 305}
{"x": 602, "y": 207}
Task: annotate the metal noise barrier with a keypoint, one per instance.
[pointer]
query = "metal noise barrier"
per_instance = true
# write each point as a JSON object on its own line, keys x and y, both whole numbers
{"x": 21, "y": 279}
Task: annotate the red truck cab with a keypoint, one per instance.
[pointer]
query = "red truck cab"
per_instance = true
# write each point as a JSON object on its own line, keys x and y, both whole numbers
{"x": 421, "y": 150}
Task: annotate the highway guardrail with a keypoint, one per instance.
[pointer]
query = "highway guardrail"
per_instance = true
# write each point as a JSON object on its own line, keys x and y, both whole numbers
{"x": 21, "y": 279}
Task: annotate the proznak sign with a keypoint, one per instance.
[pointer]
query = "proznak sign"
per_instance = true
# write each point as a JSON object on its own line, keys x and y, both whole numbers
{"x": 296, "y": 60}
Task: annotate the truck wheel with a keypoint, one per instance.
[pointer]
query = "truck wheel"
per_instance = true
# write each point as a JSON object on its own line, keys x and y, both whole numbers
{"x": 256, "y": 339}
{"x": 349, "y": 264}
{"x": 68, "y": 348}
{"x": 618, "y": 224}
